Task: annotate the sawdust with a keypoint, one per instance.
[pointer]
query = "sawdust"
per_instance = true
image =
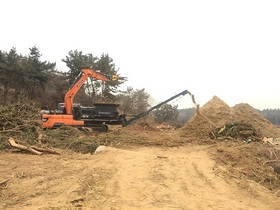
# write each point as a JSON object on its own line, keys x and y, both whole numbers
{"x": 245, "y": 112}
{"x": 216, "y": 113}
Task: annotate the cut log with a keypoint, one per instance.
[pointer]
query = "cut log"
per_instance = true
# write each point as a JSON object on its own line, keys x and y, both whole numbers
{"x": 13, "y": 143}
{"x": 47, "y": 150}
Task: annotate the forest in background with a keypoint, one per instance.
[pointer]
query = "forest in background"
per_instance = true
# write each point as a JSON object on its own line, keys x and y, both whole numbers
{"x": 28, "y": 77}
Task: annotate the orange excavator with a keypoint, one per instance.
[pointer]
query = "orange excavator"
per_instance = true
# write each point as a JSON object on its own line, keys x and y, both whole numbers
{"x": 82, "y": 78}
{"x": 67, "y": 114}
{"x": 99, "y": 116}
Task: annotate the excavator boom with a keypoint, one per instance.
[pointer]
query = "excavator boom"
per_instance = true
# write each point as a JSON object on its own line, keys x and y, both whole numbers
{"x": 81, "y": 79}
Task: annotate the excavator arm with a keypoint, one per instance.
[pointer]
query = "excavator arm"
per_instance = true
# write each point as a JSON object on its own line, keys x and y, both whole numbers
{"x": 81, "y": 79}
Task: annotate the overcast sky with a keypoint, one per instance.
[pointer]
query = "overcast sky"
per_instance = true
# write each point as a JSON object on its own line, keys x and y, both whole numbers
{"x": 229, "y": 49}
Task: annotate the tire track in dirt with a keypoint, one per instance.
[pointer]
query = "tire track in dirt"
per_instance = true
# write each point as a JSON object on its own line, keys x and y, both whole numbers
{"x": 140, "y": 178}
{"x": 178, "y": 178}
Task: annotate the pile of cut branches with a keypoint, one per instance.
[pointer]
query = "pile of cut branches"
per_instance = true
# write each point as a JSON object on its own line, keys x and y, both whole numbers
{"x": 236, "y": 130}
{"x": 19, "y": 120}
{"x": 21, "y": 117}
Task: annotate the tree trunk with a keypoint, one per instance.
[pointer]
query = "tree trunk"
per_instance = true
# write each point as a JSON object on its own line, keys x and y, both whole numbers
{"x": 16, "y": 96}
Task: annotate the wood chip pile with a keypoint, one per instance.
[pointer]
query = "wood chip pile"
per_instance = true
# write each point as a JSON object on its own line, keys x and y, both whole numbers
{"x": 238, "y": 121}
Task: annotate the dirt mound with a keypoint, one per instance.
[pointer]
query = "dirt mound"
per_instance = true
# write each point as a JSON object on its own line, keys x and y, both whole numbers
{"x": 254, "y": 161}
{"x": 146, "y": 123}
{"x": 216, "y": 113}
{"x": 245, "y": 112}
{"x": 213, "y": 114}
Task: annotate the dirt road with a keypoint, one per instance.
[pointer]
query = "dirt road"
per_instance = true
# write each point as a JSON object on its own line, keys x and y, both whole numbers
{"x": 136, "y": 178}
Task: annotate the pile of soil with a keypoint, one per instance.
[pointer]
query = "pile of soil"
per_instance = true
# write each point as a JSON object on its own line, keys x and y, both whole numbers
{"x": 147, "y": 123}
{"x": 245, "y": 112}
{"x": 255, "y": 161}
{"x": 216, "y": 113}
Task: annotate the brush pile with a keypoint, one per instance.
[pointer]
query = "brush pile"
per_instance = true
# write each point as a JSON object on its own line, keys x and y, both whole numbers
{"x": 19, "y": 117}
{"x": 19, "y": 120}
{"x": 236, "y": 130}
